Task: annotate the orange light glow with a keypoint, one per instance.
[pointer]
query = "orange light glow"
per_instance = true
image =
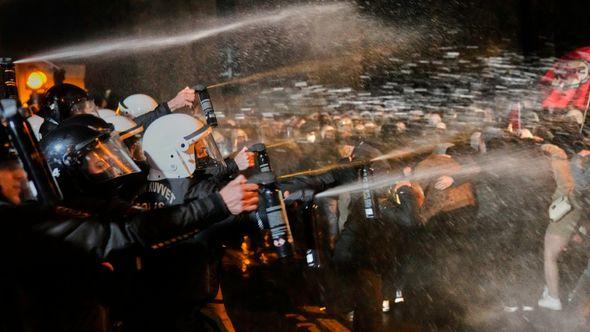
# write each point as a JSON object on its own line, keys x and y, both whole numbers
{"x": 36, "y": 80}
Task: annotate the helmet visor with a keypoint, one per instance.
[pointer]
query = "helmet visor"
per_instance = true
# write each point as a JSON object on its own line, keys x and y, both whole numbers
{"x": 108, "y": 160}
{"x": 240, "y": 139}
{"x": 207, "y": 153}
{"x": 131, "y": 138}
{"x": 133, "y": 143}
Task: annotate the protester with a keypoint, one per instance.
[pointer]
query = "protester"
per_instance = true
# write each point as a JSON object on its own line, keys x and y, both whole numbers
{"x": 568, "y": 203}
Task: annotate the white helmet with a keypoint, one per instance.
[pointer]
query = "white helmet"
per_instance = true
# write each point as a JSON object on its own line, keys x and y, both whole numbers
{"x": 136, "y": 105}
{"x": 129, "y": 133}
{"x": 104, "y": 113}
{"x": 176, "y": 145}
{"x": 124, "y": 126}
{"x": 36, "y": 121}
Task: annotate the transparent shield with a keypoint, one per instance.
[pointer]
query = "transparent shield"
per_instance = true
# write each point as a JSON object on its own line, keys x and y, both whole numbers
{"x": 135, "y": 148}
{"x": 207, "y": 153}
{"x": 108, "y": 160}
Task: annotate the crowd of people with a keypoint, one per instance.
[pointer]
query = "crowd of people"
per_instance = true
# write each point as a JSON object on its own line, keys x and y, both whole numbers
{"x": 153, "y": 192}
{"x": 478, "y": 175}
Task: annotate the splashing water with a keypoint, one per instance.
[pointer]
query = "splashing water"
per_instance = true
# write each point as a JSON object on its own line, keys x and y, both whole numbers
{"x": 300, "y": 68}
{"x": 151, "y": 43}
{"x": 280, "y": 143}
{"x": 395, "y": 154}
{"x": 303, "y": 67}
{"x": 497, "y": 163}
{"x": 417, "y": 147}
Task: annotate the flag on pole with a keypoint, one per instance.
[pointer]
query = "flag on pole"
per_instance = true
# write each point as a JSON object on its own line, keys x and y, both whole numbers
{"x": 569, "y": 81}
{"x": 514, "y": 118}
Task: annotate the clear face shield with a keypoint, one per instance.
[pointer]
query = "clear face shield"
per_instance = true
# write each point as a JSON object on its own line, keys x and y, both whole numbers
{"x": 133, "y": 144}
{"x": 107, "y": 160}
{"x": 240, "y": 139}
{"x": 222, "y": 142}
{"x": 131, "y": 138}
{"x": 207, "y": 153}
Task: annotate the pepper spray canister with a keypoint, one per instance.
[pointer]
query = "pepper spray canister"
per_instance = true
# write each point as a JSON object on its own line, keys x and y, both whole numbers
{"x": 262, "y": 160}
{"x": 369, "y": 200}
{"x": 273, "y": 215}
{"x": 206, "y": 105}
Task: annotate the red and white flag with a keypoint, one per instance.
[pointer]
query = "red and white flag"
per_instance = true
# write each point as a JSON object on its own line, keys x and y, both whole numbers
{"x": 569, "y": 81}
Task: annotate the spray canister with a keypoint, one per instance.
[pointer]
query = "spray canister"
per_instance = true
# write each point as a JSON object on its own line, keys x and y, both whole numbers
{"x": 369, "y": 199}
{"x": 262, "y": 160}
{"x": 273, "y": 215}
{"x": 206, "y": 105}
{"x": 312, "y": 234}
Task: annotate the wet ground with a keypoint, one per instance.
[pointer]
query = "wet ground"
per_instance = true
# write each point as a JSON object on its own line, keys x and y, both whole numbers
{"x": 453, "y": 285}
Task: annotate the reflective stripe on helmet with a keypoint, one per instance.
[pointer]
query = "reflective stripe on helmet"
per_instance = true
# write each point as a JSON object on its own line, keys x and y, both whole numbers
{"x": 198, "y": 132}
{"x": 130, "y": 132}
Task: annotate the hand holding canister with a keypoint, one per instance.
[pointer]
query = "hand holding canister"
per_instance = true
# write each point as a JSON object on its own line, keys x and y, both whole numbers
{"x": 206, "y": 105}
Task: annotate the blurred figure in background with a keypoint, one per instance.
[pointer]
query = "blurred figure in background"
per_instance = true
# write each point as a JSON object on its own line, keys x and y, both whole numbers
{"x": 568, "y": 209}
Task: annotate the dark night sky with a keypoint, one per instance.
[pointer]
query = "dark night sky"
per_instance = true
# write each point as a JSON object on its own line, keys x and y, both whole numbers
{"x": 30, "y": 26}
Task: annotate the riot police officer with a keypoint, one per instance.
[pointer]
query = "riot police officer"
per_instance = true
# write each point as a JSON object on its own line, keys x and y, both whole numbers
{"x": 63, "y": 101}
{"x": 67, "y": 244}
{"x": 184, "y": 163}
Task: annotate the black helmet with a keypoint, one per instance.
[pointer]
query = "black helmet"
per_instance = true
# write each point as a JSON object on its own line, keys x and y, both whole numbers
{"x": 61, "y": 101}
{"x": 84, "y": 157}
{"x": 88, "y": 120}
